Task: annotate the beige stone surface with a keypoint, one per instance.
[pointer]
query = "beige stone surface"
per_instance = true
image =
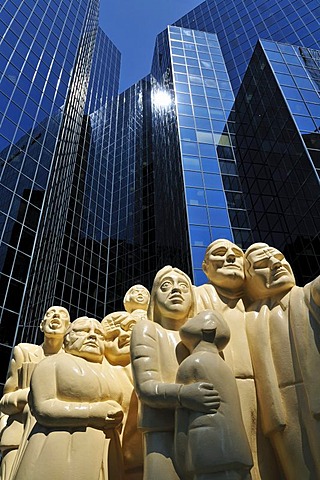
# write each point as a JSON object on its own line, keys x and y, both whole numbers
{"x": 76, "y": 399}
{"x": 283, "y": 331}
{"x": 207, "y": 444}
{"x": 224, "y": 266}
{"x": 154, "y": 364}
{"x": 14, "y": 403}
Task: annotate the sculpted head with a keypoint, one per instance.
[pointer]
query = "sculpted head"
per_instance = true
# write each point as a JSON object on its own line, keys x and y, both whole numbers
{"x": 85, "y": 338}
{"x": 118, "y": 327}
{"x": 172, "y": 298}
{"x": 267, "y": 272}
{"x": 55, "y": 322}
{"x": 137, "y": 297}
{"x": 223, "y": 264}
{"x": 208, "y": 326}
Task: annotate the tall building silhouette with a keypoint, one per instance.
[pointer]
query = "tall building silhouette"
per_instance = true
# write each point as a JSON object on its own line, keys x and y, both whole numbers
{"x": 100, "y": 190}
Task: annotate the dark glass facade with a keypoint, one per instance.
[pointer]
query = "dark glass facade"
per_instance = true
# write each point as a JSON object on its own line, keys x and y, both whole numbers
{"x": 277, "y": 136}
{"x": 46, "y": 54}
{"x": 239, "y": 24}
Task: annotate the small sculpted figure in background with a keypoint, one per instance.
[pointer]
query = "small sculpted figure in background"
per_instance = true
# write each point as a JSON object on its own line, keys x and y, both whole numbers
{"x": 210, "y": 446}
{"x": 118, "y": 325}
{"x": 283, "y": 326}
{"x": 14, "y": 403}
{"x": 76, "y": 400}
{"x": 117, "y": 351}
{"x": 224, "y": 266}
{"x": 154, "y": 367}
{"x": 136, "y": 302}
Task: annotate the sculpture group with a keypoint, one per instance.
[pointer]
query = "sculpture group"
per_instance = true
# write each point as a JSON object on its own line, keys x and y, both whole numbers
{"x": 221, "y": 383}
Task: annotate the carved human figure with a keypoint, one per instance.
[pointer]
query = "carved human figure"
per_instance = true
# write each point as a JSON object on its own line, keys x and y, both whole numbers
{"x": 14, "y": 403}
{"x": 117, "y": 351}
{"x": 154, "y": 365}
{"x": 76, "y": 399}
{"x": 284, "y": 331}
{"x": 136, "y": 301}
{"x": 224, "y": 266}
{"x": 213, "y": 447}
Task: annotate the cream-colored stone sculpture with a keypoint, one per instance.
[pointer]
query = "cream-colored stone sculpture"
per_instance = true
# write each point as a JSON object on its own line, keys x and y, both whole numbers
{"x": 76, "y": 399}
{"x": 117, "y": 352}
{"x": 136, "y": 302}
{"x": 283, "y": 325}
{"x": 224, "y": 266}
{"x": 154, "y": 364}
{"x": 118, "y": 325}
{"x": 210, "y": 446}
{"x": 14, "y": 403}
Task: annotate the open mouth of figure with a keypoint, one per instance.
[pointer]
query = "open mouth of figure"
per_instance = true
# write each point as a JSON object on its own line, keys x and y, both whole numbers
{"x": 55, "y": 324}
{"x": 176, "y": 299}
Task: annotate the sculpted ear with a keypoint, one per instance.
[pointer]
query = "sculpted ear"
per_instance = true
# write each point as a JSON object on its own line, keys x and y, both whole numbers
{"x": 204, "y": 266}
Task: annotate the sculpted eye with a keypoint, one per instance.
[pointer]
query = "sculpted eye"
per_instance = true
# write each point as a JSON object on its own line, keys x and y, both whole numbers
{"x": 184, "y": 286}
{"x": 165, "y": 286}
{"x": 261, "y": 263}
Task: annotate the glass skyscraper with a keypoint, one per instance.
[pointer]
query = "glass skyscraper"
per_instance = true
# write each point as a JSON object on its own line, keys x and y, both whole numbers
{"x": 101, "y": 190}
{"x": 46, "y": 51}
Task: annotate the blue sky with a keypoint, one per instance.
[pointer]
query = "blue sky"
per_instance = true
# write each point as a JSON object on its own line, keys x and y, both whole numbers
{"x": 133, "y": 25}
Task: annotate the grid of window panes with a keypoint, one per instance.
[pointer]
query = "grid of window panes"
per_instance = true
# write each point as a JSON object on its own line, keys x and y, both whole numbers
{"x": 239, "y": 24}
{"x": 116, "y": 236}
{"x": 171, "y": 232}
{"x": 298, "y": 73}
{"x": 105, "y": 73}
{"x": 280, "y": 182}
{"x": 38, "y": 57}
{"x": 204, "y": 100}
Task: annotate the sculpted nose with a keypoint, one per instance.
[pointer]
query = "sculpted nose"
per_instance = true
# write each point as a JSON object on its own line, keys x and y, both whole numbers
{"x": 274, "y": 263}
{"x": 231, "y": 258}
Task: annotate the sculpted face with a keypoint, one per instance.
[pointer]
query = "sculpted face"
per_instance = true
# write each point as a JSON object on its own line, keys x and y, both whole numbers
{"x": 85, "y": 339}
{"x": 268, "y": 272}
{"x": 137, "y": 297}
{"x": 173, "y": 297}
{"x": 224, "y": 264}
{"x": 55, "y": 322}
{"x": 118, "y": 330}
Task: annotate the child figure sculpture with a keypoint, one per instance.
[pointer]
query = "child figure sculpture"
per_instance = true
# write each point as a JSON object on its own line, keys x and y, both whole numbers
{"x": 210, "y": 446}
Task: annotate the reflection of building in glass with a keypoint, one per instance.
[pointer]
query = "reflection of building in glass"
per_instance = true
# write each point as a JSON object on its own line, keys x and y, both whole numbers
{"x": 239, "y": 24}
{"x": 100, "y": 190}
{"x": 45, "y": 63}
{"x": 277, "y": 124}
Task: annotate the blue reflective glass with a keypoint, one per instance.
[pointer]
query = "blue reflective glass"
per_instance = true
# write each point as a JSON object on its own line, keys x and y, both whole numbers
{"x": 195, "y": 196}
{"x": 192, "y": 163}
{"x": 203, "y": 123}
{"x": 215, "y": 198}
{"x": 189, "y": 148}
{"x": 199, "y": 277}
{"x": 198, "y": 253}
{"x": 210, "y": 165}
{"x": 212, "y": 181}
{"x": 186, "y": 121}
{"x": 219, "y": 217}
{"x": 207, "y": 150}
{"x": 188, "y": 134}
{"x": 217, "y": 233}
{"x": 193, "y": 179}
{"x": 199, "y": 236}
{"x": 201, "y": 112}
{"x": 197, "y": 215}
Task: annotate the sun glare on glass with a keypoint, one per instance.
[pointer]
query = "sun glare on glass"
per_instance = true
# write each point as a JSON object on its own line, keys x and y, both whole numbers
{"x": 161, "y": 99}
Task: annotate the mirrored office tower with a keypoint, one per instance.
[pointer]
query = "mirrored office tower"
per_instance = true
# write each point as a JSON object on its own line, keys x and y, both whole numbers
{"x": 45, "y": 59}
